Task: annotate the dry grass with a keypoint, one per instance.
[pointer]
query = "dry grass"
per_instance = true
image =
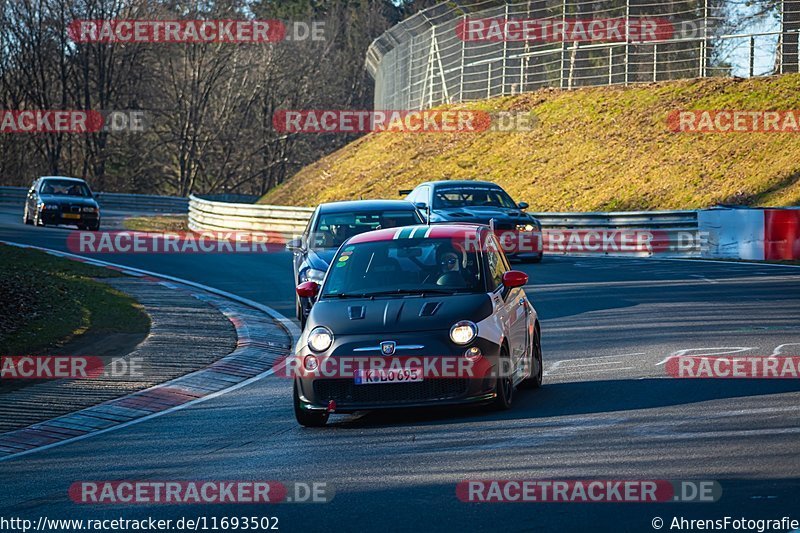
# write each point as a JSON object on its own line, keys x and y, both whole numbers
{"x": 594, "y": 149}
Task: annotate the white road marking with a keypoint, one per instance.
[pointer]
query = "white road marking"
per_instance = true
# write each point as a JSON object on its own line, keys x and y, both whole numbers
{"x": 705, "y": 351}
{"x": 698, "y": 276}
{"x": 778, "y": 350}
{"x": 588, "y": 370}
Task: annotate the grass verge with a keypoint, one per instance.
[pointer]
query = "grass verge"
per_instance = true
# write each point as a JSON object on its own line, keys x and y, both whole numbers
{"x": 593, "y": 149}
{"x": 50, "y": 301}
{"x": 157, "y": 223}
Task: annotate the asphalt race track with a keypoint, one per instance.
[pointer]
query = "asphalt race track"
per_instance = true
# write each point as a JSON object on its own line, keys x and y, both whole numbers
{"x": 608, "y": 410}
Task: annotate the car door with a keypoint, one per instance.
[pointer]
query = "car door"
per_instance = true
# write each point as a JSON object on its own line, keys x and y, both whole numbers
{"x": 514, "y": 313}
{"x": 30, "y": 199}
{"x": 299, "y": 254}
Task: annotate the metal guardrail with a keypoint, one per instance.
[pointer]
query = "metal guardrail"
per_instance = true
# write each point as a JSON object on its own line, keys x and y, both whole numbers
{"x": 147, "y": 203}
{"x": 208, "y": 215}
{"x": 619, "y": 220}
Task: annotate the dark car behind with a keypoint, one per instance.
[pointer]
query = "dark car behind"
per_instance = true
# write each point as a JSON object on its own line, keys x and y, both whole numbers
{"x": 53, "y": 200}
{"x": 333, "y": 223}
{"x": 481, "y": 202}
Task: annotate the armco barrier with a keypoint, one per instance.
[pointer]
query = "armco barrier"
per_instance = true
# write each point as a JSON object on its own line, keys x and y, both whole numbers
{"x": 146, "y": 203}
{"x": 675, "y": 232}
{"x": 208, "y": 215}
{"x": 674, "y": 227}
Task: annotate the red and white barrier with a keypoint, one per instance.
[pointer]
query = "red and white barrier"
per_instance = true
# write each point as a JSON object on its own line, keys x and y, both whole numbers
{"x": 755, "y": 234}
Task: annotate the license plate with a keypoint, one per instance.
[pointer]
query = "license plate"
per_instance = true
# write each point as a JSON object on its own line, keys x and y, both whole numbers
{"x": 371, "y": 377}
{"x": 71, "y": 215}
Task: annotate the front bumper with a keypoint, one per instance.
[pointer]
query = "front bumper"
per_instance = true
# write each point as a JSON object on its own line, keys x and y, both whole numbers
{"x": 58, "y": 217}
{"x": 449, "y": 387}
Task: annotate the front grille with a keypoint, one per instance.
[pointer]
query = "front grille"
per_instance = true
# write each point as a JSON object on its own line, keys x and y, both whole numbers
{"x": 72, "y": 209}
{"x": 345, "y": 391}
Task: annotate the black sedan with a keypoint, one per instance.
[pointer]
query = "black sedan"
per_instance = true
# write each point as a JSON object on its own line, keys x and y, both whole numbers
{"x": 412, "y": 317}
{"x": 480, "y": 202}
{"x": 61, "y": 200}
{"x": 330, "y": 225}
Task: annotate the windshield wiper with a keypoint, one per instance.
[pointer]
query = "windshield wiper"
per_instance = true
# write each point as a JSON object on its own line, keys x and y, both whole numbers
{"x": 346, "y": 295}
{"x": 410, "y": 291}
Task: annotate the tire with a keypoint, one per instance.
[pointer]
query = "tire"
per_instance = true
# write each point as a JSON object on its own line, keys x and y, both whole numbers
{"x": 37, "y": 219}
{"x": 309, "y": 419}
{"x": 25, "y": 218}
{"x": 504, "y": 388}
{"x": 535, "y": 381}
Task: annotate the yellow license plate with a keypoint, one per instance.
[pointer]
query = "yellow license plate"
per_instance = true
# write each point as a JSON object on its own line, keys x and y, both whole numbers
{"x": 71, "y": 215}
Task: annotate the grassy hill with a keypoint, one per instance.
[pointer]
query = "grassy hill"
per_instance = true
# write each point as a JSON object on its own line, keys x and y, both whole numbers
{"x": 594, "y": 149}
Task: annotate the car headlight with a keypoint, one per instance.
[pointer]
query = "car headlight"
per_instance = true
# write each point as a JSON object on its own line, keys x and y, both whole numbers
{"x": 312, "y": 274}
{"x": 463, "y": 332}
{"x": 89, "y": 210}
{"x": 525, "y": 227}
{"x": 50, "y": 207}
{"x": 320, "y": 339}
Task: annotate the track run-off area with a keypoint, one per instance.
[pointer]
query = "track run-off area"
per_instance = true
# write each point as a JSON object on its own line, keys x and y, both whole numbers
{"x": 608, "y": 410}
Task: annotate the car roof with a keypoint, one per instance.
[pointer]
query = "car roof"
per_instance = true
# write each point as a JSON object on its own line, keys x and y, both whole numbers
{"x": 463, "y": 183}
{"x": 67, "y": 178}
{"x": 360, "y": 206}
{"x": 436, "y": 231}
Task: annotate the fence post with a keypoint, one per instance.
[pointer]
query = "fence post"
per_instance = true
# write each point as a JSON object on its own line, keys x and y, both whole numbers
{"x": 563, "y": 42}
{"x": 489, "y": 82}
{"x": 627, "y": 38}
{"x": 752, "y": 55}
{"x": 704, "y": 42}
{"x": 655, "y": 61}
{"x": 463, "y": 46}
{"x": 610, "y": 64}
{"x": 410, "y": 73}
{"x": 572, "y": 63}
{"x": 702, "y": 72}
{"x": 505, "y": 53}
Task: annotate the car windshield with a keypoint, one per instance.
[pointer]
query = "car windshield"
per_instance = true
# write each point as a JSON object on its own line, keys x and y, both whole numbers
{"x": 332, "y": 229}
{"x": 472, "y": 197}
{"x": 65, "y": 188}
{"x": 403, "y": 266}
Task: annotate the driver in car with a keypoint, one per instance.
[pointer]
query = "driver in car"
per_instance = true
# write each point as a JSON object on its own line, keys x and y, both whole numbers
{"x": 452, "y": 272}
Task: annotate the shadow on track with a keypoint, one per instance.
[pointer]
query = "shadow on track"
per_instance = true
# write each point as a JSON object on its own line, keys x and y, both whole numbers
{"x": 582, "y": 398}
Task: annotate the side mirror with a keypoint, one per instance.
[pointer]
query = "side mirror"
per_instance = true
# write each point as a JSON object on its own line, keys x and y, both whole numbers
{"x": 422, "y": 206}
{"x": 309, "y": 289}
{"x": 514, "y": 278}
{"x": 523, "y": 205}
{"x": 294, "y": 244}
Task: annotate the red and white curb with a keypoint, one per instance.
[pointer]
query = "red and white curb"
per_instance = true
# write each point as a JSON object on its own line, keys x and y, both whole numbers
{"x": 261, "y": 340}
